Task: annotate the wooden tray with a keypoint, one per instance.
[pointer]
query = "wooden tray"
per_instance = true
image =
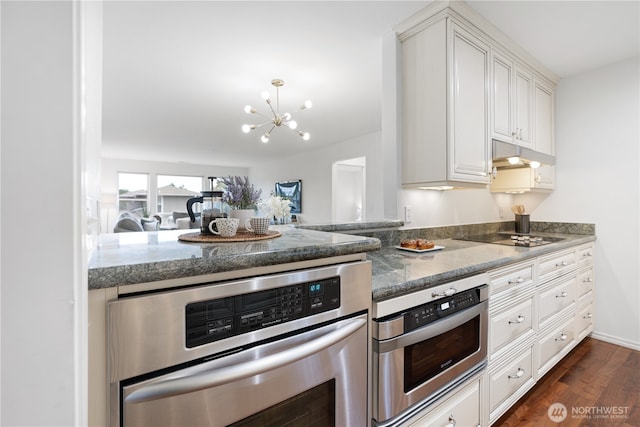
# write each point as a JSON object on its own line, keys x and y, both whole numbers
{"x": 241, "y": 236}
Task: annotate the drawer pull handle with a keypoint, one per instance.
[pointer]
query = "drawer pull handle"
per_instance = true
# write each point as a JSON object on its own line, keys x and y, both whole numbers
{"x": 587, "y": 280}
{"x": 520, "y": 319}
{"x": 587, "y": 254}
{"x": 447, "y": 293}
{"x": 562, "y": 263}
{"x": 563, "y": 337}
{"x": 452, "y": 422}
{"x": 518, "y": 280}
{"x": 587, "y": 316}
{"x": 519, "y": 374}
{"x": 562, "y": 295}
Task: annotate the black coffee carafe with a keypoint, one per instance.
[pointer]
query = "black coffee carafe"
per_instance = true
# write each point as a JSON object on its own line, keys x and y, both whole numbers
{"x": 212, "y": 206}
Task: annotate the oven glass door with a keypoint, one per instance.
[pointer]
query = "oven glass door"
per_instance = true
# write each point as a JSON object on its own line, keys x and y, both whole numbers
{"x": 429, "y": 358}
{"x": 316, "y": 378}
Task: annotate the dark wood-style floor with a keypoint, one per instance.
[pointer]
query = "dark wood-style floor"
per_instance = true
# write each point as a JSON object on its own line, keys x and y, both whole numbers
{"x": 598, "y": 383}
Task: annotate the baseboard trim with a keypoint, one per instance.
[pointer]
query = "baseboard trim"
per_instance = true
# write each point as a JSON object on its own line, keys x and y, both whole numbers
{"x": 615, "y": 340}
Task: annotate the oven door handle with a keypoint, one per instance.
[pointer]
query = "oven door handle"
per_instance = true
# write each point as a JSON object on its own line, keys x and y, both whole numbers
{"x": 176, "y": 386}
{"x": 432, "y": 329}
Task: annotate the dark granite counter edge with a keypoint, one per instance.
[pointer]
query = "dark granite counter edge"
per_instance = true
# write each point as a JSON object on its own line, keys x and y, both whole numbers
{"x": 163, "y": 270}
{"x": 399, "y": 289}
{"x": 353, "y": 226}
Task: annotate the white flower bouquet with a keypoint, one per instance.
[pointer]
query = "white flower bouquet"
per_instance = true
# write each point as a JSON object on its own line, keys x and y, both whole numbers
{"x": 275, "y": 207}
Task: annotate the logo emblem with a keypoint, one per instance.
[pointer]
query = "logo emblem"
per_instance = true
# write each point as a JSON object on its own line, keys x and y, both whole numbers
{"x": 557, "y": 412}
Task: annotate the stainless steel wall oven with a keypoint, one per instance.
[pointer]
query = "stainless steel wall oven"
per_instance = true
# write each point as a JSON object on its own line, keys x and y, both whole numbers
{"x": 283, "y": 349}
{"x": 423, "y": 351}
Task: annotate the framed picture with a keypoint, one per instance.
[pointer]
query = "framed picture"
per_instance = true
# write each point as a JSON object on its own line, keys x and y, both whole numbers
{"x": 291, "y": 190}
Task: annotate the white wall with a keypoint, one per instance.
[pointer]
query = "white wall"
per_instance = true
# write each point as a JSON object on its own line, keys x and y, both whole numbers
{"x": 43, "y": 283}
{"x": 597, "y": 181}
{"x": 315, "y": 170}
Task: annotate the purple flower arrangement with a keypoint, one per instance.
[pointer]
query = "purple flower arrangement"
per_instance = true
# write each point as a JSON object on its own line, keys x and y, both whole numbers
{"x": 239, "y": 193}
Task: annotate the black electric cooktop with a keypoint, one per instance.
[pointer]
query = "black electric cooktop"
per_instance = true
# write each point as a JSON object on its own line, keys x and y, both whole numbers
{"x": 512, "y": 239}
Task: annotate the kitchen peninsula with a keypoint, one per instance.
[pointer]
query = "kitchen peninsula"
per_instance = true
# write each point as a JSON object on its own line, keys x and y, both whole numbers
{"x": 131, "y": 264}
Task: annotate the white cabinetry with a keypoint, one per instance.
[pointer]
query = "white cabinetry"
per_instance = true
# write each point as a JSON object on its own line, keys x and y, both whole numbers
{"x": 445, "y": 73}
{"x": 521, "y": 180}
{"x": 459, "y": 409}
{"x": 543, "y": 111}
{"x": 538, "y": 311}
{"x": 523, "y": 116}
{"x": 512, "y": 326}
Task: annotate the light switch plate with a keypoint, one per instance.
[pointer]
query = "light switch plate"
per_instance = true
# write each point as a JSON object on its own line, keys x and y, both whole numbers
{"x": 408, "y": 214}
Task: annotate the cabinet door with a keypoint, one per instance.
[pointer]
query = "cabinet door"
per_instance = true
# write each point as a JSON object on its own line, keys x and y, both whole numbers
{"x": 502, "y": 98}
{"x": 469, "y": 154}
{"x": 543, "y": 118}
{"x": 543, "y": 177}
{"x": 462, "y": 409}
{"x": 523, "y": 93}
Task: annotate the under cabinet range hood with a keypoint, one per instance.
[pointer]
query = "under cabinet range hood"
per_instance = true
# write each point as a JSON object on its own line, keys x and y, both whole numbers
{"x": 505, "y": 155}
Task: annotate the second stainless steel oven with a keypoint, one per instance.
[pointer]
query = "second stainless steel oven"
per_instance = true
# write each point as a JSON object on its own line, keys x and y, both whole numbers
{"x": 428, "y": 348}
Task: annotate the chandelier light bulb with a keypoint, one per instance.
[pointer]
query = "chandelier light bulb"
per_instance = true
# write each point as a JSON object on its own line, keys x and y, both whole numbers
{"x": 248, "y": 128}
{"x": 307, "y": 104}
{"x": 306, "y": 136}
{"x": 292, "y": 124}
{"x": 265, "y": 95}
{"x": 249, "y": 109}
{"x": 265, "y": 138}
{"x": 286, "y": 116}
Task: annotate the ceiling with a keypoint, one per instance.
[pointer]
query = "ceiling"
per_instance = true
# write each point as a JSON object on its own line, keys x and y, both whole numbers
{"x": 177, "y": 74}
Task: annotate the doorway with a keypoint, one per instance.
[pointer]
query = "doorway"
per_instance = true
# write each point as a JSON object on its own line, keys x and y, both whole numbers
{"x": 348, "y": 190}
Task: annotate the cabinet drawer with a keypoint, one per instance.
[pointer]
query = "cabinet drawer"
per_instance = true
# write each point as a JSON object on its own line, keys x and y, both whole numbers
{"x": 507, "y": 325}
{"x": 461, "y": 409}
{"x": 584, "y": 319}
{"x": 506, "y": 381}
{"x": 584, "y": 255}
{"x": 585, "y": 281}
{"x": 556, "y": 265}
{"x": 515, "y": 277}
{"x": 554, "y": 342}
{"x": 555, "y": 297}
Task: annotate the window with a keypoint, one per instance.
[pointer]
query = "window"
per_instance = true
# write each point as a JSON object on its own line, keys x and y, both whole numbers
{"x": 175, "y": 190}
{"x": 133, "y": 189}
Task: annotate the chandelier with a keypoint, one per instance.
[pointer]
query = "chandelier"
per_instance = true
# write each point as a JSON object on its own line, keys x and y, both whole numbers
{"x": 275, "y": 119}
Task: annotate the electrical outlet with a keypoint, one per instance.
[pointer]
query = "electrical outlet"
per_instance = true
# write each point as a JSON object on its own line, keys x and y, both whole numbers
{"x": 408, "y": 214}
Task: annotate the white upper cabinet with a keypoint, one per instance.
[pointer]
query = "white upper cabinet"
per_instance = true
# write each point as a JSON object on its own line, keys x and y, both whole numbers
{"x": 523, "y": 115}
{"x": 465, "y": 83}
{"x": 445, "y": 72}
{"x": 512, "y": 101}
{"x": 543, "y": 111}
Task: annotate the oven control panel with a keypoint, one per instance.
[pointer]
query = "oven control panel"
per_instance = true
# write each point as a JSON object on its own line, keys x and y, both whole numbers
{"x": 213, "y": 320}
{"x": 430, "y": 312}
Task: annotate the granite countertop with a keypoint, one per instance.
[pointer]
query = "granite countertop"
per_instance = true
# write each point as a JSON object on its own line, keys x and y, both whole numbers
{"x": 397, "y": 272}
{"x": 141, "y": 257}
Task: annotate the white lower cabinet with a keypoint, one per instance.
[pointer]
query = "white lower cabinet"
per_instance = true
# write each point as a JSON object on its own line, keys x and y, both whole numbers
{"x": 539, "y": 310}
{"x": 460, "y": 409}
{"x": 555, "y": 343}
{"x": 510, "y": 379}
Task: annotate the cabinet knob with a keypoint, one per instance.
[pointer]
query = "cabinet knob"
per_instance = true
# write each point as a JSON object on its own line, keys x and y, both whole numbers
{"x": 563, "y": 337}
{"x": 452, "y": 422}
{"x": 519, "y": 374}
{"x": 520, "y": 319}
